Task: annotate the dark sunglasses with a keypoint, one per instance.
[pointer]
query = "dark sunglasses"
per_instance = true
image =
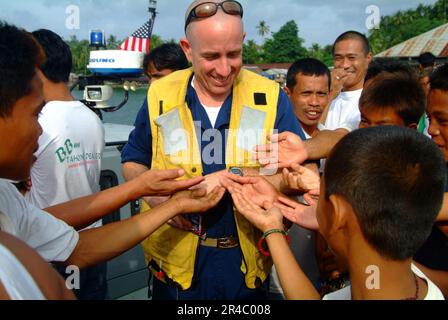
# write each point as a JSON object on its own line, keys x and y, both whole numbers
{"x": 208, "y": 9}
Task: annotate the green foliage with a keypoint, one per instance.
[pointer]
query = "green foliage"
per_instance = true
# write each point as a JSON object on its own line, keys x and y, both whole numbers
{"x": 113, "y": 43}
{"x": 252, "y": 53}
{"x": 156, "y": 41}
{"x": 404, "y": 25}
{"x": 285, "y": 45}
{"x": 80, "y": 54}
{"x": 324, "y": 54}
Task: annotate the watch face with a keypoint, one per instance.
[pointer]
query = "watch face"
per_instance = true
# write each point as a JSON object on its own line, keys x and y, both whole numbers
{"x": 236, "y": 171}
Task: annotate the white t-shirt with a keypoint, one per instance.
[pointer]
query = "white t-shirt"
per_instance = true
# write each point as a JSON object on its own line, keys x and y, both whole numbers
{"x": 16, "y": 279}
{"x": 344, "y": 111}
{"x": 212, "y": 113}
{"x": 434, "y": 292}
{"x": 52, "y": 238}
{"x": 68, "y": 162}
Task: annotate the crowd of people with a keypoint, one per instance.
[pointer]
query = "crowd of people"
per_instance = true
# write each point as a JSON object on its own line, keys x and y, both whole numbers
{"x": 333, "y": 188}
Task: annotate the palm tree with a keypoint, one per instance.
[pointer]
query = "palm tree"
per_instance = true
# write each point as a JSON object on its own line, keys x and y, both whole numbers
{"x": 263, "y": 28}
{"x": 315, "y": 51}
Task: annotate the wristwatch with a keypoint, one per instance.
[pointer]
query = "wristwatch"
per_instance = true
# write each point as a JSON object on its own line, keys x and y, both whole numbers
{"x": 236, "y": 171}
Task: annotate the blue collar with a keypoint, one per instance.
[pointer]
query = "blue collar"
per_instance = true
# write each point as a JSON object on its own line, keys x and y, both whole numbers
{"x": 199, "y": 114}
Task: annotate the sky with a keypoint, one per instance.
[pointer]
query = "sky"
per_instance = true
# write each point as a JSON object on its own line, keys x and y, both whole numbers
{"x": 319, "y": 21}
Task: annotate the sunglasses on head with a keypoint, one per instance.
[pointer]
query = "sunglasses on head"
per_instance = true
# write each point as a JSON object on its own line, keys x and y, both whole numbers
{"x": 208, "y": 9}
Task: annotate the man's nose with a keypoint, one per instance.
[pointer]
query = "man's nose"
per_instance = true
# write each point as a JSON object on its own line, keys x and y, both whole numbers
{"x": 347, "y": 63}
{"x": 433, "y": 128}
{"x": 314, "y": 100}
{"x": 223, "y": 68}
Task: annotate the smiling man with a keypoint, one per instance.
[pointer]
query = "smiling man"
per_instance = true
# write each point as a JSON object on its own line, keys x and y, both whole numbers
{"x": 191, "y": 113}
{"x": 351, "y": 54}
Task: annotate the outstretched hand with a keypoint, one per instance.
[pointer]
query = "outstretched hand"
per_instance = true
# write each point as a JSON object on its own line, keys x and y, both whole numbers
{"x": 211, "y": 181}
{"x": 194, "y": 201}
{"x": 300, "y": 214}
{"x": 268, "y": 219}
{"x": 284, "y": 150}
{"x": 198, "y": 200}
{"x": 163, "y": 182}
{"x": 301, "y": 178}
{"x": 256, "y": 188}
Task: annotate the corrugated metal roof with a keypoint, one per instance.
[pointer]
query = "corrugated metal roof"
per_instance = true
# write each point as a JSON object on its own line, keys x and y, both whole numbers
{"x": 434, "y": 41}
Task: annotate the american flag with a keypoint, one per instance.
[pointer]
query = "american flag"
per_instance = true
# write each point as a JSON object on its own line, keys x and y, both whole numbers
{"x": 140, "y": 39}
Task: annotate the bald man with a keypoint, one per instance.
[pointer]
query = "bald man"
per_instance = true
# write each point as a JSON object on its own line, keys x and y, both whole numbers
{"x": 194, "y": 119}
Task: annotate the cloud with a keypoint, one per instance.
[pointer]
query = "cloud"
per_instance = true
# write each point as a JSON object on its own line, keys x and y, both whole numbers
{"x": 319, "y": 21}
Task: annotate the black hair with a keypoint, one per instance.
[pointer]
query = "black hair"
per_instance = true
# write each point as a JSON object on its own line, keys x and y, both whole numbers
{"x": 20, "y": 55}
{"x": 307, "y": 67}
{"x": 354, "y": 35}
{"x": 58, "y": 62}
{"x": 380, "y": 65}
{"x": 167, "y": 56}
{"x": 394, "y": 179}
{"x": 398, "y": 92}
{"x": 427, "y": 59}
{"x": 439, "y": 78}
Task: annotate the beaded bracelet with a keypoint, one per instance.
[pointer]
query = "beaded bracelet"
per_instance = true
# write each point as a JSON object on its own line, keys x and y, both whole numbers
{"x": 264, "y": 250}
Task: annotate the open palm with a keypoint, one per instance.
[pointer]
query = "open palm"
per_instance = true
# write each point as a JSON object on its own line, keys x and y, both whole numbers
{"x": 284, "y": 150}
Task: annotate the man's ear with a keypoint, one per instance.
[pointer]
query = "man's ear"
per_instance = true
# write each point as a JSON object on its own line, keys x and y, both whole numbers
{"x": 370, "y": 57}
{"x": 287, "y": 91}
{"x": 341, "y": 210}
{"x": 186, "y": 47}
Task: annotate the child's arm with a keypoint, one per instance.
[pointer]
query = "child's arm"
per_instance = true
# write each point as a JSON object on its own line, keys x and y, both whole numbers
{"x": 294, "y": 282}
{"x": 81, "y": 212}
{"x": 106, "y": 242}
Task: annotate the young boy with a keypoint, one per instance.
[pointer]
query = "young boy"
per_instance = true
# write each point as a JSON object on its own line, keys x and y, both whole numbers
{"x": 434, "y": 253}
{"x": 392, "y": 99}
{"x": 379, "y": 199}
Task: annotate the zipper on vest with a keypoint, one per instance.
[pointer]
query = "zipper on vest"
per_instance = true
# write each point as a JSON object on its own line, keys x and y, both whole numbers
{"x": 157, "y": 133}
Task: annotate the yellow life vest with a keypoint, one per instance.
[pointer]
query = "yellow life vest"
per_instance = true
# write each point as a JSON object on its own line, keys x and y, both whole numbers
{"x": 254, "y": 97}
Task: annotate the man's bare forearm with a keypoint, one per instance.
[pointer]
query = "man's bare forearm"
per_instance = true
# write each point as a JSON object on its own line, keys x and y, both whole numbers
{"x": 320, "y": 146}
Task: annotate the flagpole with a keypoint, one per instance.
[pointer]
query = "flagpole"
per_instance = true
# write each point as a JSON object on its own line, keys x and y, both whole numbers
{"x": 152, "y": 17}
